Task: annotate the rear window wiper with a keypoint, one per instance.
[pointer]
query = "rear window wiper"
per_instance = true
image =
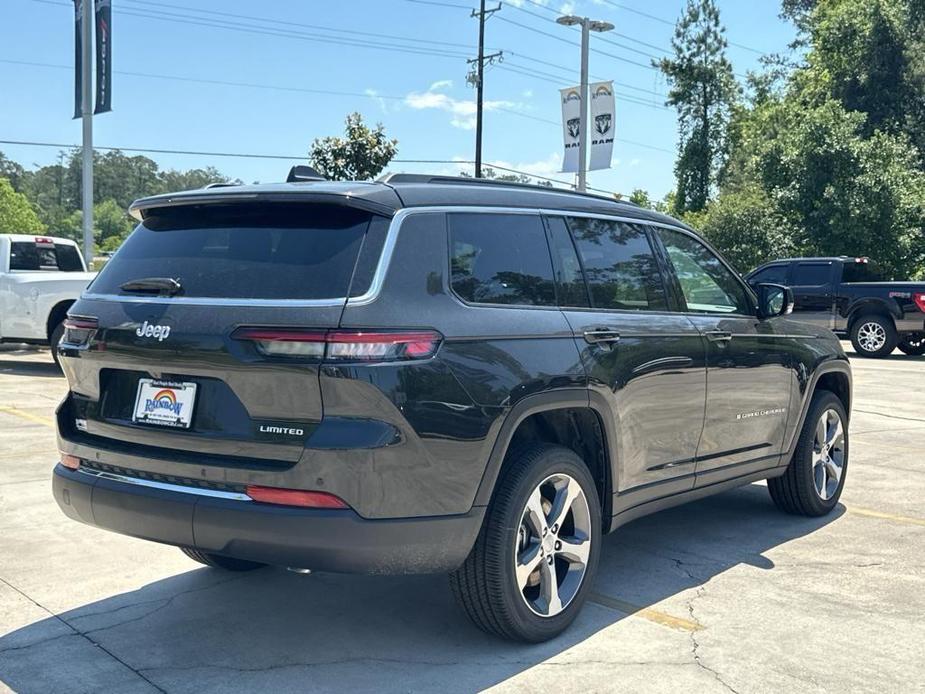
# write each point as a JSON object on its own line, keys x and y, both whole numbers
{"x": 162, "y": 286}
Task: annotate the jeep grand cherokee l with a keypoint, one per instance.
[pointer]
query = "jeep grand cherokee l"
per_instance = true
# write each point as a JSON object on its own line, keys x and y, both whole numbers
{"x": 426, "y": 374}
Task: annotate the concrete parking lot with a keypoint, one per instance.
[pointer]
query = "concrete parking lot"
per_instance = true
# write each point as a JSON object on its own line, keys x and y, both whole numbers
{"x": 726, "y": 594}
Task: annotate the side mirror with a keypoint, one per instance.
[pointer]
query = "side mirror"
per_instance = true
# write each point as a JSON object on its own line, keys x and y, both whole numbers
{"x": 774, "y": 300}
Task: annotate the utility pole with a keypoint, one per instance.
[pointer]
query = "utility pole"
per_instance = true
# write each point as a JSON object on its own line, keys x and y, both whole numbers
{"x": 478, "y": 79}
{"x": 587, "y": 26}
{"x": 86, "y": 110}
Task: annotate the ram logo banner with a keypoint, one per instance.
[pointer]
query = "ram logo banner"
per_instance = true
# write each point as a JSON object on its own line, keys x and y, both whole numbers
{"x": 78, "y": 58}
{"x": 602, "y": 125}
{"x": 103, "y": 56}
{"x": 571, "y": 127}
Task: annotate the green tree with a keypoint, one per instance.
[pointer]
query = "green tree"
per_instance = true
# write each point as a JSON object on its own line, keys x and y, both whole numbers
{"x": 174, "y": 180}
{"x": 16, "y": 214}
{"x": 840, "y": 191}
{"x": 703, "y": 90}
{"x": 746, "y": 227}
{"x": 358, "y": 156}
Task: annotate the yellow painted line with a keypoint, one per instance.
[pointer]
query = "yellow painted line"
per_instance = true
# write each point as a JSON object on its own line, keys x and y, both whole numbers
{"x": 886, "y": 516}
{"x": 38, "y": 419}
{"x": 666, "y": 620}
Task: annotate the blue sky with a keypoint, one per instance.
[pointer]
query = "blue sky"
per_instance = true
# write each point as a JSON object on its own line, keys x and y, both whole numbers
{"x": 399, "y": 62}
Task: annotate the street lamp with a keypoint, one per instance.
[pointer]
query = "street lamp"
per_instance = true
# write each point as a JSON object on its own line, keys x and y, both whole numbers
{"x": 587, "y": 26}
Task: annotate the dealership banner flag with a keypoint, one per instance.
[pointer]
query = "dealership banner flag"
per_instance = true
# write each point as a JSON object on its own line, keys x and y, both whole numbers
{"x": 571, "y": 127}
{"x": 78, "y": 58}
{"x": 103, "y": 56}
{"x": 603, "y": 124}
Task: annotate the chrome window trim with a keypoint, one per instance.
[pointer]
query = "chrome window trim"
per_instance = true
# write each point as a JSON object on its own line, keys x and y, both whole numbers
{"x": 165, "y": 486}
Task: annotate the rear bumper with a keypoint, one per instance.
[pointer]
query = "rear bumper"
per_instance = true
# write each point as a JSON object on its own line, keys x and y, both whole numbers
{"x": 322, "y": 540}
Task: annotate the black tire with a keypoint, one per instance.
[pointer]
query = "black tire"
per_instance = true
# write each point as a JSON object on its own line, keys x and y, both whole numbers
{"x": 56, "y": 335}
{"x": 486, "y": 585}
{"x": 864, "y": 323}
{"x": 217, "y": 561}
{"x": 914, "y": 345}
{"x": 796, "y": 492}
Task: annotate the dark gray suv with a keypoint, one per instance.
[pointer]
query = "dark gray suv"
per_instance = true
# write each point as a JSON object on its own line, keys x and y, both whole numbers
{"x": 428, "y": 374}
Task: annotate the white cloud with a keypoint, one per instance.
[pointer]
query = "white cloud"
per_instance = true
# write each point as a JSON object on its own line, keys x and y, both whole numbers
{"x": 549, "y": 167}
{"x": 383, "y": 104}
{"x": 463, "y": 111}
{"x": 527, "y": 93}
{"x": 634, "y": 162}
{"x": 567, "y": 8}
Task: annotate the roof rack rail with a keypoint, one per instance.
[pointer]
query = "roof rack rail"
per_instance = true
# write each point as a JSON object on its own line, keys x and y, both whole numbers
{"x": 301, "y": 172}
{"x": 220, "y": 184}
{"x": 470, "y": 180}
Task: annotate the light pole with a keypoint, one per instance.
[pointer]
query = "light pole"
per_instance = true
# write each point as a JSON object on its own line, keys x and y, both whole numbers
{"x": 587, "y": 26}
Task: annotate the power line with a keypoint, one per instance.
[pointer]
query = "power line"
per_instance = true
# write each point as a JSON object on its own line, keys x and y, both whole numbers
{"x": 662, "y": 20}
{"x": 330, "y": 92}
{"x": 250, "y": 155}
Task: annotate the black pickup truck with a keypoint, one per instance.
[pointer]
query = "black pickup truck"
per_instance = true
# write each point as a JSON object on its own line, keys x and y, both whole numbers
{"x": 851, "y": 297}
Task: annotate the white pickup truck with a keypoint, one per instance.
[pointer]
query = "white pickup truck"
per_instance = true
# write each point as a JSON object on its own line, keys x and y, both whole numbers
{"x": 40, "y": 277}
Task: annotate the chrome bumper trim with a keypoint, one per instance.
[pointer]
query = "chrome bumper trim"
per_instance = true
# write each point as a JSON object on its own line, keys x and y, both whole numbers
{"x": 166, "y": 486}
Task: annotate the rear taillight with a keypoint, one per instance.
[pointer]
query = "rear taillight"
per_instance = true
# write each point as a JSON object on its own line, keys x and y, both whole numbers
{"x": 343, "y": 345}
{"x": 919, "y": 299}
{"x": 79, "y": 330}
{"x": 70, "y": 461}
{"x": 294, "y": 497}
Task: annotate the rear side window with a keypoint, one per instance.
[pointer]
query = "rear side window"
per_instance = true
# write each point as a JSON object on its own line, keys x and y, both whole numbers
{"x": 619, "y": 265}
{"x": 500, "y": 259}
{"x": 244, "y": 251}
{"x": 60, "y": 257}
{"x": 775, "y": 274}
{"x": 811, "y": 274}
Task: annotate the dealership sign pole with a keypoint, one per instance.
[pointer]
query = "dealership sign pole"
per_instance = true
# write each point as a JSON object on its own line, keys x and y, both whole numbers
{"x": 83, "y": 93}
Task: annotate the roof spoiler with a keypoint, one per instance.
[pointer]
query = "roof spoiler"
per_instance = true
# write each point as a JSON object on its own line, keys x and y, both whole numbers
{"x": 300, "y": 172}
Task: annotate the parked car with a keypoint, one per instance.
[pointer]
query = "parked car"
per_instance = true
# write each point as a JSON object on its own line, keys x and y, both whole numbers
{"x": 430, "y": 374}
{"x": 40, "y": 278}
{"x": 852, "y": 297}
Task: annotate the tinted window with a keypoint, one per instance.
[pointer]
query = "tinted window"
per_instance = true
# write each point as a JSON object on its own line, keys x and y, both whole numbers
{"x": 619, "y": 265}
{"x": 862, "y": 272}
{"x": 28, "y": 255}
{"x": 269, "y": 251}
{"x": 570, "y": 283}
{"x": 708, "y": 286}
{"x": 501, "y": 259}
{"x": 811, "y": 274}
{"x": 775, "y": 274}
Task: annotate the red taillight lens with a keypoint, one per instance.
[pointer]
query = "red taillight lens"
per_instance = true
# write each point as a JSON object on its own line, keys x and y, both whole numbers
{"x": 343, "y": 345}
{"x": 79, "y": 330}
{"x": 70, "y": 461}
{"x": 294, "y": 497}
{"x": 919, "y": 299}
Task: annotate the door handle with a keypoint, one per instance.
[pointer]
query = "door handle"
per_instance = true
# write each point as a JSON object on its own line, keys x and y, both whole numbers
{"x": 597, "y": 335}
{"x": 719, "y": 336}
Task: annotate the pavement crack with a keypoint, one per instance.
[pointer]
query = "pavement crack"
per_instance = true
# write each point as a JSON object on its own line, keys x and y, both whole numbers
{"x": 78, "y": 632}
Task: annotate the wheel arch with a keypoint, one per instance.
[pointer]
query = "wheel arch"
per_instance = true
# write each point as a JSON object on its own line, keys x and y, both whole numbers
{"x": 568, "y": 418}
{"x": 833, "y": 376}
{"x": 872, "y": 306}
{"x": 57, "y": 314}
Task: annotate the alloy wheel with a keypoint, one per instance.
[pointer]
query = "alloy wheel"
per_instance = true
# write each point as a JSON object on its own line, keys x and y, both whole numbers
{"x": 828, "y": 454}
{"x": 553, "y": 545}
{"x": 871, "y": 336}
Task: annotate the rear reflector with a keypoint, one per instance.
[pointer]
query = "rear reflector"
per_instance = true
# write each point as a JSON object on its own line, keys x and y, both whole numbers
{"x": 343, "y": 345}
{"x": 919, "y": 299}
{"x": 70, "y": 461}
{"x": 294, "y": 497}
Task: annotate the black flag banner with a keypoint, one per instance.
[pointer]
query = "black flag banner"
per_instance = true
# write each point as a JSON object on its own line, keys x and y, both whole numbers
{"x": 78, "y": 58}
{"x": 103, "y": 56}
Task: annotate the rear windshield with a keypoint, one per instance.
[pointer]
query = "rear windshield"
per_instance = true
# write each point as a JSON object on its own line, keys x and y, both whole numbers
{"x": 242, "y": 251}
{"x": 862, "y": 272}
{"x": 60, "y": 257}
